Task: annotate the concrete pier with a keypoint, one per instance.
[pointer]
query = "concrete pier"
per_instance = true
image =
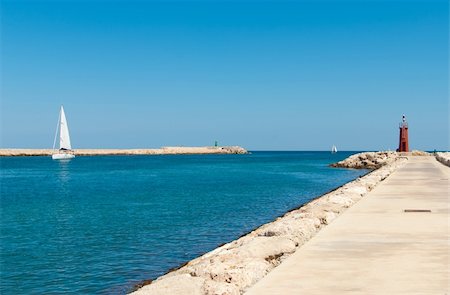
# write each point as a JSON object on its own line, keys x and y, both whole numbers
{"x": 380, "y": 245}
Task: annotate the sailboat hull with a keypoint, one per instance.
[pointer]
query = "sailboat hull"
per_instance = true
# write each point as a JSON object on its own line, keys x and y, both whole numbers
{"x": 62, "y": 156}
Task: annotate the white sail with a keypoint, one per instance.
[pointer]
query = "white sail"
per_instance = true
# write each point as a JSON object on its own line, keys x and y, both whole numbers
{"x": 65, "y": 147}
{"x": 334, "y": 149}
{"x": 64, "y": 138}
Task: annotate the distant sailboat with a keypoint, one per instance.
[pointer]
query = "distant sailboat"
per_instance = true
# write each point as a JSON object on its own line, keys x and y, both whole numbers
{"x": 65, "y": 149}
{"x": 333, "y": 149}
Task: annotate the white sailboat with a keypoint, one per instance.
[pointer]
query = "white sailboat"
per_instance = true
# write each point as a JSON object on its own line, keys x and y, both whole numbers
{"x": 333, "y": 149}
{"x": 65, "y": 148}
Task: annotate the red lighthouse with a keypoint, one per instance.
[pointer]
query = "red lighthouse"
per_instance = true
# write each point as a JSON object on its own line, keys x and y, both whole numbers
{"x": 403, "y": 142}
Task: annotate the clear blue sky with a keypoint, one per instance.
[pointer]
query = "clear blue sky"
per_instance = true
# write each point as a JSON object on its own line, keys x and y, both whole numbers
{"x": 266, "y": 75}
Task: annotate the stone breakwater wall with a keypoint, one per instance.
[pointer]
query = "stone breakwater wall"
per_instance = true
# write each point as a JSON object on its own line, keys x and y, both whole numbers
{"x": 444, "y": 158}
{"x": 368, "y": 160}
{"x": 99, "y": 152}
{"x": 374, "y": 160}
{"x": 234, "y": 267}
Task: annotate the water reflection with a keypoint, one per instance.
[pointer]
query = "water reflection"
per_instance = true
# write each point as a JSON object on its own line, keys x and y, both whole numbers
{"x": 63, "y": 175}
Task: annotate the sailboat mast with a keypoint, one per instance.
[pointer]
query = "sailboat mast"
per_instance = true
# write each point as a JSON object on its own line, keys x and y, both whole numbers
{"x": 57, "y": 127}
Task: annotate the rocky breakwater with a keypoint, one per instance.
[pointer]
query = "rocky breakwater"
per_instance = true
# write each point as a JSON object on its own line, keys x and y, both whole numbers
{"x": 100, "y": 152}
{"x": 232, "y": 268}
{"x": 444, "y": 158}
{"x": 367, "y": 160}
{"x": 204, "y": 150}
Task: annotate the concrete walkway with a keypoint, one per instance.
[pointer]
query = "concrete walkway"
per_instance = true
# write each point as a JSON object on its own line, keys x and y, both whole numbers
{"x": 375, "y": 247}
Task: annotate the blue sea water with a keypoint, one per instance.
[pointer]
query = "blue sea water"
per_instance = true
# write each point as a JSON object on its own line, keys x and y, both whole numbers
{"x": 99, "y": 225}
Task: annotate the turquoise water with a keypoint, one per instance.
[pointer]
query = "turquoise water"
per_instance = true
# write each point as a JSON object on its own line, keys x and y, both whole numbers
{"x": 102, "y": 224}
